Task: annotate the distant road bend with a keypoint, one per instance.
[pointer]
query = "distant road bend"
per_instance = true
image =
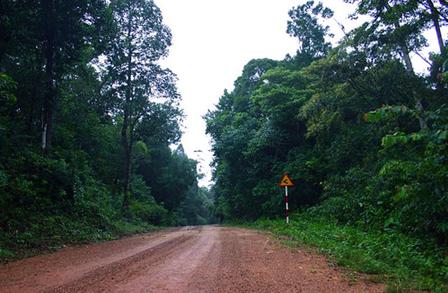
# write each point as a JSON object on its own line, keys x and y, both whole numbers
{"x": 190, "y": 259}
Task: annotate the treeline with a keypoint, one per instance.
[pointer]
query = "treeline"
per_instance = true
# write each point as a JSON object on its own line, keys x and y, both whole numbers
{"x": 87, "y": 118}
{"x": 362, "y": 133}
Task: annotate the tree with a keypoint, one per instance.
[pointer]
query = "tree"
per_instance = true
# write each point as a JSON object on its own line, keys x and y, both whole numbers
{"x": 76, "y": 78}
{"x": 134, "y": 77}
{"x": 304, "y": 25}
{"x": 64, "y": 34}
{"x": 396, "y": 28}
{"x": 45, "y": 39}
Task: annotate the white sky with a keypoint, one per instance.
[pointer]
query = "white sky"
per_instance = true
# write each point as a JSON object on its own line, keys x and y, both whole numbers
{"x": 213, "y": 40}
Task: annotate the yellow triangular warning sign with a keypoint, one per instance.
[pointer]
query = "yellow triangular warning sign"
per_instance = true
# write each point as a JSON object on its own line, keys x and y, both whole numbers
{"x": 286, "y": 181}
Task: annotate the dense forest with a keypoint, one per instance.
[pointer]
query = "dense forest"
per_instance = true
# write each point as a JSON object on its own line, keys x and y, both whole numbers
{"x": 360, "y": 130}
{"x": 90, "y": 124}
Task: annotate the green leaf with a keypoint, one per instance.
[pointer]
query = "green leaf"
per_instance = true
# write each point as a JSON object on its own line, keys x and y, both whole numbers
{"x": 141, "y": 147}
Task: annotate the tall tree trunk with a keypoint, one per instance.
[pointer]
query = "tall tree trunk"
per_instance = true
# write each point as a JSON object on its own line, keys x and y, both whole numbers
{"x": 126, "y": 132}
{"x": 50, "y": 92}
{"x": 410, "y": 68}
{"x": 417, "y": 100}
{"x": 435, "y": 14}
{"x": 407, "y": 58}
{"x": 127, "y": 171}
{"x": 435, "y": 20}
{"x": 127, "y": 158}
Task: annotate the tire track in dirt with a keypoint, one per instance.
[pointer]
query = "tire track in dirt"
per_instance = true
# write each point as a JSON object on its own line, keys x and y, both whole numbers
{"x": 175, "y": 272}
{"x": 250, "y": 261}
{"x": 48, "y": 272}
{"x": 201, "y": 259}
{"x": 105, "y": 278}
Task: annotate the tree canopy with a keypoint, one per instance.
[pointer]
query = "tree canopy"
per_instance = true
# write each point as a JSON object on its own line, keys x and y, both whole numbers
{"x": 362, "y": 134}
{"x": 89, "y": 123}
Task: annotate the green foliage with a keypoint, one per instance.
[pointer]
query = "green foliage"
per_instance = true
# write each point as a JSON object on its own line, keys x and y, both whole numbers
{"x": 70, "y": 119}
{"x": 304, "y": 25}
{"x": 6, "y": 254}
{"x": 7, "y": 86}
{"x": 196, "y": 208}
{"x": 362, "y": 135}
{"x": 141, "y": 147}
{"x": 148, "y": 213}
{"x": 122, "y": 227}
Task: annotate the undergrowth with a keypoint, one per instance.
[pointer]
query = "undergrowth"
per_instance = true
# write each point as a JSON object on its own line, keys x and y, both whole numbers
{"x": 405, "y": 264}
{"x": 54, "y": 232}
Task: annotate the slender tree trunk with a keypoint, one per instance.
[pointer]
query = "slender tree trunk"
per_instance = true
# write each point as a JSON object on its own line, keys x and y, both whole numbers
{"x": 407, "y": 59}
{"x": 435, "y": 20}
{"x": 417, "y": 100}
{"x": 30, "y": 118}
{"x": 410, "y": 68}
{"x": 127, "y": 159}
{"x": 127, "y": 173}
{"x": 126, "y": 132}
{"x": 435, "y": 14}
{"x": 49, "y": 97}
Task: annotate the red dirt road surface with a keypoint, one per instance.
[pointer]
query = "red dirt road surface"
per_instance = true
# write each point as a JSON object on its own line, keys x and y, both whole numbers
{"x": 199, "y": 259}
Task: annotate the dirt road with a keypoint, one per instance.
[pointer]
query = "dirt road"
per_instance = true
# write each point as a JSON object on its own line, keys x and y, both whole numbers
{"x": 201, "y": 259}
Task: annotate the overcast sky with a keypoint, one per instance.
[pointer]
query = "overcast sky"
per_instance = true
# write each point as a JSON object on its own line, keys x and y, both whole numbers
{"x": 213, "y": 40}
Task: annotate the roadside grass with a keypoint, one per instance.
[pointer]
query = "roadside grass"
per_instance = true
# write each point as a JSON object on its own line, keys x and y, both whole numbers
{"x": 405, "y": 264}
{"x": 55, "y": 232}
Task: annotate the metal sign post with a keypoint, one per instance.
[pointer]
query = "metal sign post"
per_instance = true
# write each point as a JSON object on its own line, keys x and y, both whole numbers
{"x": 286, "y": 204}
{"x": 286, "y": 182}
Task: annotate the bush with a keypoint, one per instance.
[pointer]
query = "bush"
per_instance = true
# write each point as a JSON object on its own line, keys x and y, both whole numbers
{"x": 148, "y": 212}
